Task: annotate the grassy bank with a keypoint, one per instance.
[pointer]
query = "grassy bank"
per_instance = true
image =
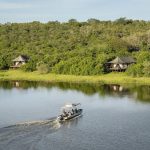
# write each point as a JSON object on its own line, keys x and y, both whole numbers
{"x": 112, "y": 78}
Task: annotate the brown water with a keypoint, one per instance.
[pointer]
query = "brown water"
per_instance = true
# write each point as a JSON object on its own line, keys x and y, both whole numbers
{"x": 115, "y": 117}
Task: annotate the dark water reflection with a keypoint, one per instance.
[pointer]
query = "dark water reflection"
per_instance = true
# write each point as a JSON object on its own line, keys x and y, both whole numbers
{"x": 115, "y": 117}
{"x": 138, "y": 92}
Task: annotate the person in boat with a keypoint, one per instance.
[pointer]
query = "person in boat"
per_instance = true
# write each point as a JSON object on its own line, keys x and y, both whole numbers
{"x": 65, "y": 114}
{"x": 69, "y": 111}
{"x": 61, "y": 117}
{"x": 69, "y": 114}
{"x": 76, "y": 111}
{"x": 72, "y": 112}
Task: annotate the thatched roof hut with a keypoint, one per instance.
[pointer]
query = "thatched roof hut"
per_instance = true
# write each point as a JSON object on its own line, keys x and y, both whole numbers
{"x": 19, "y": 61}
{"x": 120, "y": 63}
{"x": 21, "y": 58}
{"x": 122, "y": 60}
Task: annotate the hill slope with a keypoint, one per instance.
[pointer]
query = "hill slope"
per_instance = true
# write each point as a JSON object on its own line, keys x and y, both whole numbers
{"x": 79, "y": 48}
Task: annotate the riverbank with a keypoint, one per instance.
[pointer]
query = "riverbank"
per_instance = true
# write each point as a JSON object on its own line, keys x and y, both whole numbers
{"x": 111, "y": 78}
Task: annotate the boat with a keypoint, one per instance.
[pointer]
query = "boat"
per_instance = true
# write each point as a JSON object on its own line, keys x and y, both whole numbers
{"x": 70, "y": 111}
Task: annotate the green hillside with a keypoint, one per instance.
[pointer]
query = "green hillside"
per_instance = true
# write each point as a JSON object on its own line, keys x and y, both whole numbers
{"x": 78, "y": 48}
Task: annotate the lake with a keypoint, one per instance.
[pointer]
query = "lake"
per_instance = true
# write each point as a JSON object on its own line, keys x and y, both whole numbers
{"x": 115, "y": 117}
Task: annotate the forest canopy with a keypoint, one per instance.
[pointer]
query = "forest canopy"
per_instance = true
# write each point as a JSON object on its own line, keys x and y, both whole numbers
{"x": 80, "y": 48}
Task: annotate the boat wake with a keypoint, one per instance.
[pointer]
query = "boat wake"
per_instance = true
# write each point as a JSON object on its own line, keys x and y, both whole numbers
{"x": 33, "y": 135}
{"x": 49, "y": 122}
{"x": 30, "y": 134}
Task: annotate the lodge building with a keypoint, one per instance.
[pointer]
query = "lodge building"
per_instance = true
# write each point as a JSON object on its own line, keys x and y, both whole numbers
{"x": 120, "y": 63}
{"x": 19, "y": 61}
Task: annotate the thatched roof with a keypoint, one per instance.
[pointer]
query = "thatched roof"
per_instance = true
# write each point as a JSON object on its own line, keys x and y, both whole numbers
{"x": 122, "y": 60}
{"x": 21, "y": 58}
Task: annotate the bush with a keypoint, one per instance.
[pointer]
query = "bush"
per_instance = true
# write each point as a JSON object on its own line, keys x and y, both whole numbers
{"x": 146, "y": 68}
{"x": 29, "y": 67}
{"x": 80, "y": 66}
{"x": 135, "y": 70}
{"x": 3, "y": 63}
{"x": 42, "y": 68}
{"x": 143, "y": 56}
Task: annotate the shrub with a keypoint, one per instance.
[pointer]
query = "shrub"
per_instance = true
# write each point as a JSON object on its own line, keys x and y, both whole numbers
{"x": 146, "y": 68}
{"x": 29, "y": 67}
{"x": 80, "y": 66}
{"x": 143, "y": 56}
{"x": 42, "y": 68}
{"x": 3, "y": 63}
{"x": 135, "y": 70}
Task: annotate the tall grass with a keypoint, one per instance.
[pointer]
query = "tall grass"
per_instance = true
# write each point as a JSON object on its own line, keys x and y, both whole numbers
{"x": 111, "y": 78}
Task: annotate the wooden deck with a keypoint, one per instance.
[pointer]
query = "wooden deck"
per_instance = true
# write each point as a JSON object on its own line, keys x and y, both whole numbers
{"x": 15, "y": 67}
{"x": 117, "y": 69}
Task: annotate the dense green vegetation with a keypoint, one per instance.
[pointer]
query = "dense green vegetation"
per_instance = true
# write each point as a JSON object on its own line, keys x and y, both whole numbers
{"x": 79, "y": 48}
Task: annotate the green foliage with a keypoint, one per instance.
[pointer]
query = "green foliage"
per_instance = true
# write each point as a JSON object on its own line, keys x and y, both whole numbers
{"x": 146, "y": 68}
{"x": 143, "y": 56}
{"x": 140, "y": 69}
{"x": 3, "y": 63}
{"x": 42, "y": 68}
{"x": 82, "y": 66}
{"x": 72, "y": 21}
{"x": 124, "y": 21}
{"x": 92, "y": 21}
{"x": 135, "y": 70}
{"x": 29, "y": 67}
{"x": 80, "y": 48}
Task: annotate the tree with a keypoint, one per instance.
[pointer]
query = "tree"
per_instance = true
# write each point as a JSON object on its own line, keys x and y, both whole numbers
{"x": 92, "y": 21}
{"x": 124, "y": 21}
{"x": 72, "y": 21}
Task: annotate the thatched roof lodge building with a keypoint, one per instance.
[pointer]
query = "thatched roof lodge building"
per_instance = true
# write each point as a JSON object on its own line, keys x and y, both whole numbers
{"x": 19, "y": 61}
{"x": 120, "y": 63}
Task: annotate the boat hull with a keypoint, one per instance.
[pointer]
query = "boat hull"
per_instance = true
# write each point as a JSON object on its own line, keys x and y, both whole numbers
{"x": 79, "y": 113}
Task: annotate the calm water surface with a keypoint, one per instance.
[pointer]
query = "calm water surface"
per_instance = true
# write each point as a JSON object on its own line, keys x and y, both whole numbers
{"x": 115, "y": 117}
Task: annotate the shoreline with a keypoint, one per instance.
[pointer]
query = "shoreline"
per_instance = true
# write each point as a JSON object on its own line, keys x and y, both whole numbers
{"x": 111, "y": 78}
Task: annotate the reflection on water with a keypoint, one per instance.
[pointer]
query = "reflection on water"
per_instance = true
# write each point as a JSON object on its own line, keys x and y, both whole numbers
{"x": 114, "y": 117}
{"x": 138, "y": 92}
{"x": 73, "y": 122}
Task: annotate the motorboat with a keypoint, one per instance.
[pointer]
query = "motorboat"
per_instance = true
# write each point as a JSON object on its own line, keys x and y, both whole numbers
{"x": 70, "y": 111}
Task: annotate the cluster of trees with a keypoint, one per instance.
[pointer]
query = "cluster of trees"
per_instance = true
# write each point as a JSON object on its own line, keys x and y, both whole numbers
{"x": 80, "y": 48}
{"x": 142, "y": 67}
